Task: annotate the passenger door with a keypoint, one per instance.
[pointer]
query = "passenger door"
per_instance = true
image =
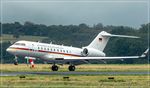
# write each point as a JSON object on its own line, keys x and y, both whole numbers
{"x": 33, "y": 49}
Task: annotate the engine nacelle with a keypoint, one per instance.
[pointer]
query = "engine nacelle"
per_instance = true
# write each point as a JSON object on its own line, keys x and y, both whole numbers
{"x": 90, "y": 52}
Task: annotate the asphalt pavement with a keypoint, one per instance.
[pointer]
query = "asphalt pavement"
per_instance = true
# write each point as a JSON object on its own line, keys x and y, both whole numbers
{"x": 73, "y": 73}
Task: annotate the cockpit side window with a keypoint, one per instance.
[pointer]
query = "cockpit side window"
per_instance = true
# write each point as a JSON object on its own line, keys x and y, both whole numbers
{"x": 21, "y": 44}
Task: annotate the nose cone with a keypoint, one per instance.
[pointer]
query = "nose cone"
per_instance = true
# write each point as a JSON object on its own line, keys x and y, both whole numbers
{"x": 8, "y": 49}
{"x": 11, "y": 50}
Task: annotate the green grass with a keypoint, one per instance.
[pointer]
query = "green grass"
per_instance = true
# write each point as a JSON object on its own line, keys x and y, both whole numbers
{"x": 55, "y": 81}
{"x": 86, "y": 67}
{"x": 76, "y": 81}
{"x": 7, "y": 37}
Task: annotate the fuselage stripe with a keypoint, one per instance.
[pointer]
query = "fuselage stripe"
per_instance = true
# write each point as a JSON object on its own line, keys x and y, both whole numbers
{"x": 45, "y": 51}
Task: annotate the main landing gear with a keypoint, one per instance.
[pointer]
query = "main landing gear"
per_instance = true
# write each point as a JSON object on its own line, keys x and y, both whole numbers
{"x": 71, "y": 68}
{"x": 55, "y": 68}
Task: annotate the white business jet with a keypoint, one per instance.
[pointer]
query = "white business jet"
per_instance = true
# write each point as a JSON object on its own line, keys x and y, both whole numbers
{"x": 57, "y": 54}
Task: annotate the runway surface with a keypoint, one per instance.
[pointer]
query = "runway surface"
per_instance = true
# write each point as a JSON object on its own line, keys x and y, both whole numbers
{"x": 73, "y": 73}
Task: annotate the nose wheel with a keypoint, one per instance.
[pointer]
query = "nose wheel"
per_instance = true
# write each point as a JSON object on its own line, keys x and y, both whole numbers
{"x": 54, "y": 68}
{"x": 71, "y": 68}
{"x": 15, "y": 61}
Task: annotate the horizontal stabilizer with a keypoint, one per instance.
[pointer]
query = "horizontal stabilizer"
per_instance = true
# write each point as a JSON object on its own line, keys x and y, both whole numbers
{"x": 126, "y": 36}
{"x": 105, "y": 34}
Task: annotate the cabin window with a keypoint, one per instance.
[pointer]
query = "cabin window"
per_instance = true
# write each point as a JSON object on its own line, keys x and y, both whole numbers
{"x": 60, "y": 50}
{"x": 21, "y": 44}
{"x": 64, "y": 51}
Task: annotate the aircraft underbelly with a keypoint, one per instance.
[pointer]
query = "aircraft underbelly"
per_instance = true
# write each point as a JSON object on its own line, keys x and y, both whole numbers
{"x": 56, "y": 57}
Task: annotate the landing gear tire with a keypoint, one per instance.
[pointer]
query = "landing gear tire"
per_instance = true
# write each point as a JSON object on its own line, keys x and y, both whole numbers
{"x": 54, "y": 68}
{"x": 71, "y": 68}
{"x": 15, "y": 60}
{"x": 15, "y": 63}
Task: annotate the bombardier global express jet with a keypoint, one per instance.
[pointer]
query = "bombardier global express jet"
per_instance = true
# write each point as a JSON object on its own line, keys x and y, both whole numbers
{"x": 66, "y": 54}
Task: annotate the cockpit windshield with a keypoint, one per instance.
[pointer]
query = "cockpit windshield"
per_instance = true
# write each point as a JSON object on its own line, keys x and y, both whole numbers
{"x": 21, "y": 44}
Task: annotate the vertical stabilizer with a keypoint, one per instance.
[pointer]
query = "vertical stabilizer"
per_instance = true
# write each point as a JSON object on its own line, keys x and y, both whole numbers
{"x": 102, "y": 38}
{"x": 100, "y": 41}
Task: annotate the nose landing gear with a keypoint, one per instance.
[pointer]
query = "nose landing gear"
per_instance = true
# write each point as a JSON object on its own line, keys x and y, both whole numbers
{"x": 15, "y": 60}
{"x": 15, "y": 63}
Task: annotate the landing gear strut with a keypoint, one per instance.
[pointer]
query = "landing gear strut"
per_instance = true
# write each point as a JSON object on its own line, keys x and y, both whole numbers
{"x": 54, "y": 68}
{"x": 15, "y": 61}
{"x": 71, "y": 68}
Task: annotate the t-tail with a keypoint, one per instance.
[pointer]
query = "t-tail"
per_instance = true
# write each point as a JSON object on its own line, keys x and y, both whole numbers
{"x": 102, "y": 39}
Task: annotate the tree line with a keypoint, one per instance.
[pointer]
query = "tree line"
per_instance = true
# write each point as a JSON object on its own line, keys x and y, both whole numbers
{"x": 81, "y": 35}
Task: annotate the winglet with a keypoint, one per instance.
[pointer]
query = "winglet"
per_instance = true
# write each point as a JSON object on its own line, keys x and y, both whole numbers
{"x": 145, "y": 53}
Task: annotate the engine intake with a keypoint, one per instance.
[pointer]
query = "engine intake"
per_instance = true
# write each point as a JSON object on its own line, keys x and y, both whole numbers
{"x": 85, "y": 52}
{"x": 90, "y": 52}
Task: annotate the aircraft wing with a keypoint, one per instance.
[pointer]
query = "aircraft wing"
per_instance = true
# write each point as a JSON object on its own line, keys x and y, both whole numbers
{"x": 105, "y": 58}
{"x": 99, "y": 58}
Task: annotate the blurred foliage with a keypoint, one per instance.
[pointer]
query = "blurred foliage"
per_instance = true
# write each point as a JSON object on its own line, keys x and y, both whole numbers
{"x": 81, "y": 35}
